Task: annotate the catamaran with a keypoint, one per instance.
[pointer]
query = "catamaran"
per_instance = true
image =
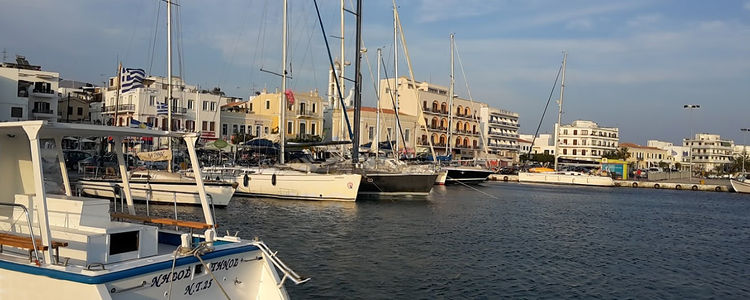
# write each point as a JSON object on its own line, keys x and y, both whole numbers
{"x": 62, "y": 246}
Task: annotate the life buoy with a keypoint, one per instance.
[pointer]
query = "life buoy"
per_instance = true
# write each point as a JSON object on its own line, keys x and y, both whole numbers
{"x": 695, "y": 188}
{"x": 678, "y": 187}
{"x": 245, "y": 180}
{"x": 718, "y": 189}
{"x": 505, "y": 178}
{"x": 635, "y": 184}
{"x": 656, "y": 186}
{"x": 273, "y": 179}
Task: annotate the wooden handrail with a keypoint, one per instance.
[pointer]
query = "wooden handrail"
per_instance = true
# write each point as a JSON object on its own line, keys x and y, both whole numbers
{"x": 162, "y": 221}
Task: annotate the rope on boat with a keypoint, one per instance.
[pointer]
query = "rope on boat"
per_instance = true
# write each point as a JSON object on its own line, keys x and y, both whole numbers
{"x": 202, "y": 249}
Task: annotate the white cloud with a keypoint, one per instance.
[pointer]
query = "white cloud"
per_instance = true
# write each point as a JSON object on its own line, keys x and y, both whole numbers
{"x": 580, "y": 24}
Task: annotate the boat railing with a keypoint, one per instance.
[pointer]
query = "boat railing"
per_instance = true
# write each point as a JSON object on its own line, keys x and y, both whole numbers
{"x": 280, "y": 265}
{"x": 28, "y": 221}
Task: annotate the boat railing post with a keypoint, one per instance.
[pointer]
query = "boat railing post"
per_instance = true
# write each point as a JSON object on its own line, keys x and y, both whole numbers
{"x": 174, "y": 199}
{"x": 148, "y": 198}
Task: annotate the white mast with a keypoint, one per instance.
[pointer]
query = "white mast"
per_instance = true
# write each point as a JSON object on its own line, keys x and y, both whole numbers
{"x": 395, "y": 77}
{"x": 377, "y": 121}
{"x": 342, "y": 64}
{"x": 169, "y": 77}
{"x": 448, "y": 150}
{"x": 282, "y": 106}
{"x": 559, "y": 112}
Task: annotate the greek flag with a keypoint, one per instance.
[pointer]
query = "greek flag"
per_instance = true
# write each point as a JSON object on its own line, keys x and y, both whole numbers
{"x": 138, "y": 124}
{"x": 161, "y": 109}
{"x": 131, "y": 79}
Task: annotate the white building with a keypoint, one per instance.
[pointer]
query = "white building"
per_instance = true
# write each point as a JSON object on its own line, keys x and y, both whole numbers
{"x": 192, "y": 110}
{"x": 27, "y": 92}
{"x": 680, "y": 154}
{"x": 586, "y": 141}
{"x": 500, "y": 131}
{"x": 709, "y": 151}
{"x": 542, "y": 144}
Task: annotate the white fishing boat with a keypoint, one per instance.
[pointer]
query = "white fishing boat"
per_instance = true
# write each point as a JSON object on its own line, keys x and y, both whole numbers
{"x": 283, "y": 182}
{"x": 574, "y": 178}
{"x": 68, "y": 247}
{"x": 741, "y": 184}
{"x": 159, "y": 187}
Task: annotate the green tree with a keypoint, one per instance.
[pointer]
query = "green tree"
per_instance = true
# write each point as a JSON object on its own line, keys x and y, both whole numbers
{"x": 620, "y": 153}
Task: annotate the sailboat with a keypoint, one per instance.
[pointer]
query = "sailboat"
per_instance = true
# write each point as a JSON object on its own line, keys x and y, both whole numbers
{"x": 285, "y": 181}
{"x": 459, "y": 174}
{"x": 61, "y": 246}
{"x": 160, "y": 186}
{"x": 563, "y": 177}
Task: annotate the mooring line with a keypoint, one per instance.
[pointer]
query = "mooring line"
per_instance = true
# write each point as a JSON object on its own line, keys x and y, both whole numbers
{"x": 475, "y": 189}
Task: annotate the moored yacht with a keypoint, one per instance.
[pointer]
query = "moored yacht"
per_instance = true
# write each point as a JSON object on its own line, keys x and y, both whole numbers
{"x": 741, "y": 184}
{"x": 69, "y": 247}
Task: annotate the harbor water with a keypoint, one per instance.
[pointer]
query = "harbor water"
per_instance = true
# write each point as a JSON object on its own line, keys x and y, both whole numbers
{"x": 515, "y": 241}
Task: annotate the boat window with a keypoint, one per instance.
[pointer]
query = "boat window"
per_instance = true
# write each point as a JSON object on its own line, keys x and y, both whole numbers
{"x": 123, "y": 242}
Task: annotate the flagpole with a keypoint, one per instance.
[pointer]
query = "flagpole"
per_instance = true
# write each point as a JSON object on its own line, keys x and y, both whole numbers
{"x": 117, "y": 92}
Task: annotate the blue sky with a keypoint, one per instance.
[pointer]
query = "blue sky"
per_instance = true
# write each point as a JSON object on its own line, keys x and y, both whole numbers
{"x": 632, "y": 64}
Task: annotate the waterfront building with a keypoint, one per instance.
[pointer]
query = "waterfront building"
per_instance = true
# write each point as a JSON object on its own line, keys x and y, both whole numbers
{"x": 542, "y": 143}
{"x": 585, "y": 141}
{"x": 192, "y": 109}
{"x": 500, "y": 129}
{"x": 709, "y": 151}
{"x": 644, "y": 157}
{"x": 237, "y": 119}
{"x": 304, "y": 114}
{"x": 468, "y": 136}
{"x": 27, "y": 92}
{"x": 75, "y": 99}
{"x": 679, "y": 154}
{"x": 368, "y": 126}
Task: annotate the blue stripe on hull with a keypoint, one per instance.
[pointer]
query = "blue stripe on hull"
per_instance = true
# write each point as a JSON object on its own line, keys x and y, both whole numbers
{"x": 104, "y": 278}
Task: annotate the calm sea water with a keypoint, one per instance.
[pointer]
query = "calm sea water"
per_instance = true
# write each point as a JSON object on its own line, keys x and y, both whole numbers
{"x": 524, "y": 241}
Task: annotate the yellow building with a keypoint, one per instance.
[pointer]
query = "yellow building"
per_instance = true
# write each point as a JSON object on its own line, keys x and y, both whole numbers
{"x": 304, "y": 115}
{"x": 237, "y": 118}
{"x": 368, "y": 126}
{"x": 644, "y": 157}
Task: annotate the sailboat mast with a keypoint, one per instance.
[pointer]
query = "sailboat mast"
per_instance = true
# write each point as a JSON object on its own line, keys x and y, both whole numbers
{"x": 342, "y": 84}
{"x": 169, "y": 77}
{"x": 559, "y": 111}
{"x": 395, "y": 76}
{"x": 377, "y": 120}
{"x": 357, "y": 84}
{"x": 449, "y": 150}
{"x": 282, "y": 105}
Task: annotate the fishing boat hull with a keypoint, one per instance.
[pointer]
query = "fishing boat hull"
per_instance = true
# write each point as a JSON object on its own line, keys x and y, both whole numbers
{"x": 740, "y": 186}
{"x": 241, "y": 270}
{"x": 293, "y": 185}
{"x": 565, "y": 178}
{"x": 466, "y": 175}
{"x": 386, "y": 184}
{"x": 161, "y": 192}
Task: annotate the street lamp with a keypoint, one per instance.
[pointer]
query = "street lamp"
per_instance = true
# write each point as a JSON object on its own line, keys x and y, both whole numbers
{"x": 744, "y": 143}
{"x": 691, "y": 107}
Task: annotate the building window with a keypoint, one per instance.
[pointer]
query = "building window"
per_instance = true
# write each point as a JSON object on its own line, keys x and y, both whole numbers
{"x": 406, "y": 134}
{"x": 289, "y": 127}
{"x": 204, "y": 126}
{"x": 312, "y": 128}
{"x": 80, "y": 111}
{"x": 575, "y": 132}
{"x": 152, "y": 100}
{"x": 313, "y": 107}
{"x": 583, "y": 152}
{"x": 16, "y": 112}
{"x": 371, "y": 133}
{"x": 213, "y": 126}
{"x": 250, "y": 107}
{"x": 265, "y": 130}
{"x": 575, "y": 142}
{"x": 213, "y": 106}
{"x": 565, "y": 141}
{"x": 70, "y": 110}
{"x": 584, "y": 132}
{"x": 234, "y": 129}
{"x": 565, "y": 131}
{"x": 190, "y": 104}
{"x": 242, "y": 129}
{"x": 302, "y": 128}
{"x": 268, "y": 104}
{"x": 205, "y": 105}
{"x": 565, "y": 151}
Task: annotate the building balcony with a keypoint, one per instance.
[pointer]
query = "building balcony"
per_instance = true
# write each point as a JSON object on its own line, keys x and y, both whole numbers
{"x": 43, "y": 93}
{"x": 434, "y": 111}
{"x": 503, "y": 123}
{"x": 178, "y": 110}
{"x": 466, "y": 132}
{"x": 501, "y": 134}
{"x": 308, "y": 114}
{"x": 110, "y": 109}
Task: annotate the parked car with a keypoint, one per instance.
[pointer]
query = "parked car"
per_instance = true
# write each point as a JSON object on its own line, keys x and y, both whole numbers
{"x": 72, "y": 157}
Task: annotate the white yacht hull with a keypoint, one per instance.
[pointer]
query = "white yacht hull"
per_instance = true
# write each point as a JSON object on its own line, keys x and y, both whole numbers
{"x": 564, "y": 178}
{"x": 740, "y": 186}
{"x": 162, "y": 192}
{"x": 243, "y": 271}
{"x": 296, "y": 185}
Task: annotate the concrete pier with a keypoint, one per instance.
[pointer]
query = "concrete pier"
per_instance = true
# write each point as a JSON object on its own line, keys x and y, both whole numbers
{"x": 685, "y": 184}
